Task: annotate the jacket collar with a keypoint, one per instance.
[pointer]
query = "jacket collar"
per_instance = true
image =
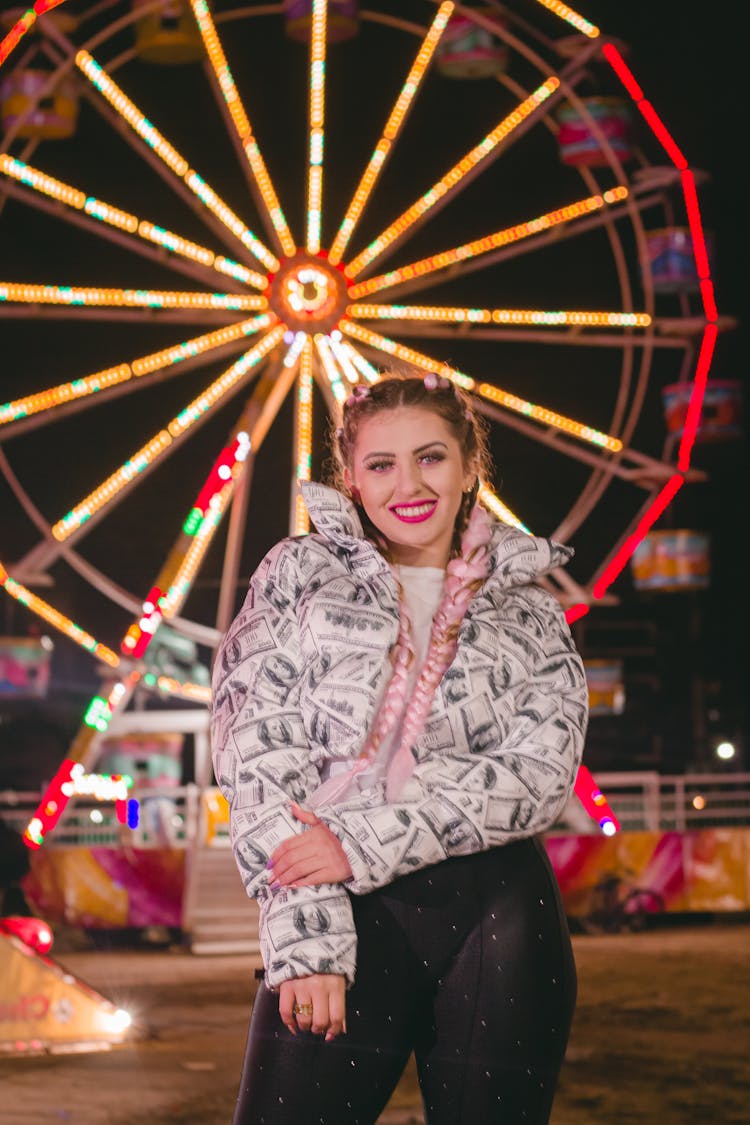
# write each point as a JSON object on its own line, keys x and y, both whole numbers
{"x": 516, "y": 558}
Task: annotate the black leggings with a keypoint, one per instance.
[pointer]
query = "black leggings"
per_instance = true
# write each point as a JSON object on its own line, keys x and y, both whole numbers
{"x": 468, "y": 964}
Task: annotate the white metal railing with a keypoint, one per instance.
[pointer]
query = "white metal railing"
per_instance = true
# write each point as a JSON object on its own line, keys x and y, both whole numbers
{"x": 171, "y": 816}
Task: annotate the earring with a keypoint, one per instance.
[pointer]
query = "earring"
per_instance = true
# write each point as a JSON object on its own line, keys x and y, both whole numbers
{"x": 356, "y": 497}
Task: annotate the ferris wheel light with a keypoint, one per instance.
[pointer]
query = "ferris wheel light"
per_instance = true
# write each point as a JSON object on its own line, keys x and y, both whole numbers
{"x": 58, "y": 620}
{"x": 490, "y": 500}
{"x": 41, "y": 182}
{"x": 316, "y": 122}
{"x": 558, "y": 318}
{"x": 241, "y": 122}
{"x": 725, "y": 751}
{"x": 390, "y": 132}
{"x": 505, "y": 237}
{"x": 439, "y": 190}
{"x": 571, "y": 17}
{"x": 177, "y": 163}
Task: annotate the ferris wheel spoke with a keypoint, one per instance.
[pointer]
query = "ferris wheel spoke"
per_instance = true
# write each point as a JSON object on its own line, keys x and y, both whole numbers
{"x": 333, "y": 370}
{"x": 47, "y": 193}
{"x": 457, "y": 257}
{"x": 496, "y": 395}
{"x": 232, "y": 108}
{"x": 56, "y": 619}
{"x": 156, "y": 149}
{"x": 467, "y": 318}
{"x": 46, "y": 406}
{"x": 316, "y": 125}
{"x": 299, "y": 520}
{"x": 95, "y": 297}
{"x": 84, "y": 515}
{"x": 628, "y": 464}
{"x": 460, "y": 175}
{"x": 660, "y": 333}
{"x": 391, "y": 131}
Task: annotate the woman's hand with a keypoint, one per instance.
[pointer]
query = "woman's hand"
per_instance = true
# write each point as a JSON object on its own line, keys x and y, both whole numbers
{"x": 316, "y": 1003}
{"x": 309, "y": 859}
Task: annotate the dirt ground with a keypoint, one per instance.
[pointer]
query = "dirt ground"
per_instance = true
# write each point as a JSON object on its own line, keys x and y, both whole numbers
{"x": 661, "y": 1037}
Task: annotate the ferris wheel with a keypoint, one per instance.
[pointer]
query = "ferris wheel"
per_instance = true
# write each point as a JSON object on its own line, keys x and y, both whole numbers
{"x": 256, "y": 207}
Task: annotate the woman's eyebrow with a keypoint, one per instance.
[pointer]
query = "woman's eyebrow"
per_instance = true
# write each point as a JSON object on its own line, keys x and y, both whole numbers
{"x": 419, "y": 449}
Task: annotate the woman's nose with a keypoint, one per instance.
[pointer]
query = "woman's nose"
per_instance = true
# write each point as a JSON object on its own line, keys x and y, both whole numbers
{"x": 408, "y": 479}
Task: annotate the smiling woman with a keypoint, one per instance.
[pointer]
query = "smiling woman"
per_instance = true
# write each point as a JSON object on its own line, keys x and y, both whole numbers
{"x": 404, "y": 901}
{"x": 410, "y": 474}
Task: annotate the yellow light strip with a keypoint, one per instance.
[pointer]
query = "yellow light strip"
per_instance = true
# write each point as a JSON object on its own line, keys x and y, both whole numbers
{"x": 155, "y": 448}
{"x": 199, "y": 693}
{"x": 490, "y": 500}
{"x": 316, "y": 122}
{"x": 486, "y": 390}
{"x": 125, "y": 298}
{"x": 490, "y": 242}
{"x": 241, "y": 122}
{"x": 366, "y": 369}
{"x": 390, "y": 132}
{"x": 549, "y": 417}
{"x": 473, "y": 158}
{"x": 571, "y": 17}
{"x": 58, "y": 620}
{"x": 169, "y": 156}
{"x": 549, "y": 319}
{"x": 344, "y": 353}
{"x": 409, "y": 355}
{"x": 304, "y": 434}
{"x": 101, "y": 380}
{"x": 123, "y": 220}
{"x": 225, "y": 382}
{"x": 241, "y": 273}
{"x": 330, "y": 367}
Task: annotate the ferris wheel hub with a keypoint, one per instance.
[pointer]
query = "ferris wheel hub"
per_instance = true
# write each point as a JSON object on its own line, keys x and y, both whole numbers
{"x": 308, "y": 293}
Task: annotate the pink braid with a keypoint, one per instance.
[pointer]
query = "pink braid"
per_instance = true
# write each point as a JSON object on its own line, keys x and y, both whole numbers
{"x": 464, "y": 576}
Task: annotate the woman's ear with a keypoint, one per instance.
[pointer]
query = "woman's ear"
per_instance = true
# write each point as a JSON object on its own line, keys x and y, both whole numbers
{"x": 348, "y": 479}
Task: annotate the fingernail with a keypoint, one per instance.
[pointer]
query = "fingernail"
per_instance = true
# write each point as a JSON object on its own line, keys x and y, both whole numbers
{"x": 269, "y": 865}
{"x": 275, "y": 886}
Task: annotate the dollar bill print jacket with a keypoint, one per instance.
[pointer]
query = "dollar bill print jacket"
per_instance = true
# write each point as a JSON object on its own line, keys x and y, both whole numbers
{"x": 296, "y": 683}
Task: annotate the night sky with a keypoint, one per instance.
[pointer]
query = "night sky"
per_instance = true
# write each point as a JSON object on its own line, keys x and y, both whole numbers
{"x": 689, "y": 68}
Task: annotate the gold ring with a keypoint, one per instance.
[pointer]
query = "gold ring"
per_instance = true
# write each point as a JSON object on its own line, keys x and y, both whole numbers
{"x": 302, "y": 1009}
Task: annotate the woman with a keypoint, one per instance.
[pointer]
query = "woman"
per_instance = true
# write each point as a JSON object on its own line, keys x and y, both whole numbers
{"x": 438, "y": 927}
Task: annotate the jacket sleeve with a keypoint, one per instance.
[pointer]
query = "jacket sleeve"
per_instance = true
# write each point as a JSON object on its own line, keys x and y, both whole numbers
{"x": 262, "y": 762}
{"x": 487, "y": 793}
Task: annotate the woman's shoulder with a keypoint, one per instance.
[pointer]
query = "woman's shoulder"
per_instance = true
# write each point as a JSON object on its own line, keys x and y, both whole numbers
{"x": 296, "y": 558}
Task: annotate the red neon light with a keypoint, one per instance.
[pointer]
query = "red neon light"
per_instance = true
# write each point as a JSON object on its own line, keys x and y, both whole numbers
{"x": 593, "y": 800}
{"x": 626, "y": 76}
{"x": 693, "y": 415}
{"x": 709, "y": 299}
{"x": 662, "y": 134}
{"x": 696, "y": 226}
{"x": 576, "y": 612}
{"x": 617, "y": 564}
{"x": 623, "y": 71}
{"x": 27, "y": 21}
{"x": 51, "y": 805}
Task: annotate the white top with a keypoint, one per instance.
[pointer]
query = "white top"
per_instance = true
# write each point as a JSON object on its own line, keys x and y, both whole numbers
{"x": 423, "y": 590}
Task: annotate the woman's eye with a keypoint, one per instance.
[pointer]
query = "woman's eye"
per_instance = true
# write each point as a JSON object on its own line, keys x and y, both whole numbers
{"x": 432, "y": 458}
{"x": 378, "y": 466}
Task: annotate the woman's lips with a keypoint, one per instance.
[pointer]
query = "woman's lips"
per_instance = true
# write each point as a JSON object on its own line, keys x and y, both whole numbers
{"x": 414, "y": 513}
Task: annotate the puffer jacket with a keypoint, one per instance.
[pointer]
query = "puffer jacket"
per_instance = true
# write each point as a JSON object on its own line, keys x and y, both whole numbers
{"x": 296, "y": 683}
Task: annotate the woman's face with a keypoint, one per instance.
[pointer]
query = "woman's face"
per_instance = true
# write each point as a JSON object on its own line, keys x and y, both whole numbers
{"x": 408, "y": 469}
